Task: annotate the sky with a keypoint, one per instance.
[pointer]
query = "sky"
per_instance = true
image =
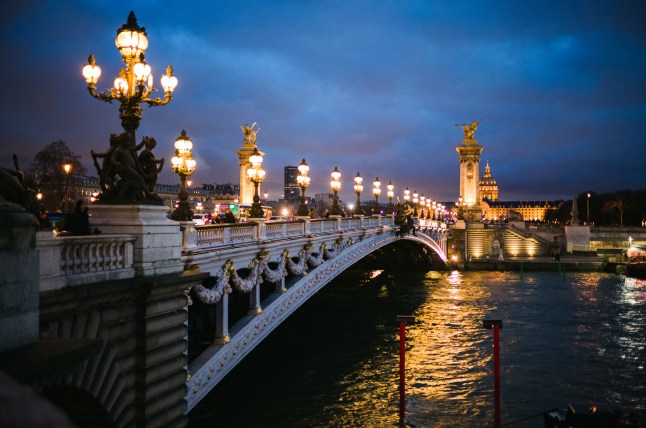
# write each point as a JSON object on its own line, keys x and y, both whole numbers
{"x": 374, "y": 87}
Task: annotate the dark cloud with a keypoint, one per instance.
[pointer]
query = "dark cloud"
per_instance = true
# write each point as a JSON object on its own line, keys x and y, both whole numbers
{"x": 367, "y": 86}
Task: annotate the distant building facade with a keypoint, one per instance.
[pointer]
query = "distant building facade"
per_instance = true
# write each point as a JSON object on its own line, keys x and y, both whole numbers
{"x": 527, "y": 210}
{"x": 292, "y": 191}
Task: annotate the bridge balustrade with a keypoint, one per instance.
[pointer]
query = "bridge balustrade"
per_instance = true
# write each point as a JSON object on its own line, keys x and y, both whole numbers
{"x": 217, "y": 235}
{"x": 78, "y": 260}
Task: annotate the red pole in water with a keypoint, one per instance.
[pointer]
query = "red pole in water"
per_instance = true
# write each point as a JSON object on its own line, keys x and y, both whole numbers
{"x": 496, "y": 372}
{"x": 403, "y": 319}
{"x": 402, "y": 370}
{"x": 496, "y": 325}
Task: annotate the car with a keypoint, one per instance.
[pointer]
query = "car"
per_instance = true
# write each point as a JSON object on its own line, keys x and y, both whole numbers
{"x": 202, "y": 219}
{"x": 277, "y": 218}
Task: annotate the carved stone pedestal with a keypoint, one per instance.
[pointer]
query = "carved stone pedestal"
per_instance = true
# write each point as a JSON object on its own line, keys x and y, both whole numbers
{"x": 19, "y": 278}
{"x": 158, "y": 247}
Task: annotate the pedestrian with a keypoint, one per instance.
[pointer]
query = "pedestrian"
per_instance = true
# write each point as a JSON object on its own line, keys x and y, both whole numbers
{"x": 78, "y": 222}
{"x": 228, "y": 216}
{"x": 411, "y": 223}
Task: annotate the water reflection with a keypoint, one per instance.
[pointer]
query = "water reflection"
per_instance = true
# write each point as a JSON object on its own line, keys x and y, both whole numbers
{"x": 576, "y": 339}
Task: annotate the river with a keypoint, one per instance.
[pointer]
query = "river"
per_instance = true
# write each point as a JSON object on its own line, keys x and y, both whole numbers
{"x": 574, "y": 338}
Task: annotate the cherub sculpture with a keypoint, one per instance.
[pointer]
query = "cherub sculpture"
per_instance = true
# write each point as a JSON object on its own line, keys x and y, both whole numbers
{"x": 151, "y": 166}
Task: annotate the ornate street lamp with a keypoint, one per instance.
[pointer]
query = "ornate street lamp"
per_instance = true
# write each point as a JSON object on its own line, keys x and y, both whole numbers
{"x": 183, "y": 165}
{"x": 358, "y": 188}
{"x": 256, "y": 175}
{"x": 335, "y": 185}
{"x": 415, "y": 202}
{"x": 406, "y": 196}
{"x": 135, "y": 81}
{"x": 303, "y": 181}
{"x": 376, "y": 190}
{"x": 428, "y": 209}
{"x": 391, "y": 195}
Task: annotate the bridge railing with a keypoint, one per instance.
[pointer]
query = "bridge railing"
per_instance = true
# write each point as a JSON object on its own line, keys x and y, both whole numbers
{"x": 77, "y": 260}
{"x": 218, "y": 235}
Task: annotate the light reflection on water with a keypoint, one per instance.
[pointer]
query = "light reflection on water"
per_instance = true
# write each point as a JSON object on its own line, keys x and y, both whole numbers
{"x": 579, "y": 339}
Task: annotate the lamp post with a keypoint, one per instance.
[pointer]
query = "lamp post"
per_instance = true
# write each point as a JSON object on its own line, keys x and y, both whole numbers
{"x": 67, "y": 167}
{"x": 391, "y": 194}
{"x": 183, "y": 165}
{"x": 256, "y": 175}
{"x": 135, "y": 81}
{"x": 358, "y": 188}
{"x": 376, "y": 190}
{"x": 335, "y": 185}
{"x": 422, "y": 204}
{"x": 415, "y": 202}
{"x": 303, "y": 182}
{"x": 587, "y": 217}
{"x": 406, "y": 196}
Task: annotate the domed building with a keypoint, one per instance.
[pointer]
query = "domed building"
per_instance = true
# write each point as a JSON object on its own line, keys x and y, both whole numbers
{"x": 488, "y": 186}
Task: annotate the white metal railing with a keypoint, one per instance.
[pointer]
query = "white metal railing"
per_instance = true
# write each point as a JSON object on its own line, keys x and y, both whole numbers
{"x": 76, "y": 260}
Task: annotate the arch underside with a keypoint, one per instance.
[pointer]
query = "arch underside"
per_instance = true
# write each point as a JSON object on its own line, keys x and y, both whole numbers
{"x": 217, "y": 360}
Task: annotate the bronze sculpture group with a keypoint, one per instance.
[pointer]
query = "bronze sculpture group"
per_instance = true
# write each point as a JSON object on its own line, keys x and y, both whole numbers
{"x": 125, "y": 177}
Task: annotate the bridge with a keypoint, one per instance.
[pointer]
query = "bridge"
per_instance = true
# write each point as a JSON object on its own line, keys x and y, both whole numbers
{"x": 298, "y": 258}
{"x": 107, "y": 327}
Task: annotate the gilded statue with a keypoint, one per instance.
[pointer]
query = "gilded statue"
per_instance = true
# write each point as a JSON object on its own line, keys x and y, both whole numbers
{"x": 249, "y": 134}
{"x": 469, "y": 129}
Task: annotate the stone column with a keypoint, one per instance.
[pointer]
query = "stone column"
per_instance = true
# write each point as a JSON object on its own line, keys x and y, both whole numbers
{"x": 19, "y": 278}
{"x": 254, "y": 301}
{"x": 222, "y": 321}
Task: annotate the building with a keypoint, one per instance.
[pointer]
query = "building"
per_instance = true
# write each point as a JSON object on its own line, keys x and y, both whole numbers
{"x": 488, "y": 186}
{"x": 292, "y": 191}
{"x": 527, "y": 210}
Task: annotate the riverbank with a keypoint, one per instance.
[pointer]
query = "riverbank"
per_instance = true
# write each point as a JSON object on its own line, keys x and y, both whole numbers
{"x": 567, "y": 263}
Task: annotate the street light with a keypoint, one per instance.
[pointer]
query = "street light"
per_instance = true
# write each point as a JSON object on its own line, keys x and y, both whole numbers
{"x": 303, "y": 182}
{"x": 183, "y": 165}
{"x": 415, "y": 202}
{"x": 422, "y": 203}
{"x": 335, "y": 184}
{"x": 358, "y": 188}
{"x": 256, "y": 175}
{"x": 135, "y": 82}
{"x": 67, "y": 167}
{"x": 376, "y": 190}
{"x": 391, "y": 195}
{"x": 587, "y": 219}
{"x": 406, "y": 196}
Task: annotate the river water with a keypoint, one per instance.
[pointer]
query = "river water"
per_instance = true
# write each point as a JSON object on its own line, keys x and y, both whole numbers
{"x": 574, "y": 338}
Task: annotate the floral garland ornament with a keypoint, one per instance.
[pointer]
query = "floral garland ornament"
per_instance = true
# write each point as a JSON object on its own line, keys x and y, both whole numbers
{"x": 277, "y": 274}
{"x": 253, "y": 277}
{"x": 315, "y": 259}
{"x": 298, "y": 267}
{"x": 213, "y": 295}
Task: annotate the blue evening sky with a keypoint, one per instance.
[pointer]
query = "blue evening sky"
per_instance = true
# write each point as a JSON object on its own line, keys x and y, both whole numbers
{"x": 368, "y": 86}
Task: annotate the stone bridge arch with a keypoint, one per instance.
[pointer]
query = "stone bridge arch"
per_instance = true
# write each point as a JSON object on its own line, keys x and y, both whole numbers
{"x": 218, "y": 359}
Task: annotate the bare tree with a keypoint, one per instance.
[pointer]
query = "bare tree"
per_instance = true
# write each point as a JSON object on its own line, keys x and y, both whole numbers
{"x": 47, "y": 171}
